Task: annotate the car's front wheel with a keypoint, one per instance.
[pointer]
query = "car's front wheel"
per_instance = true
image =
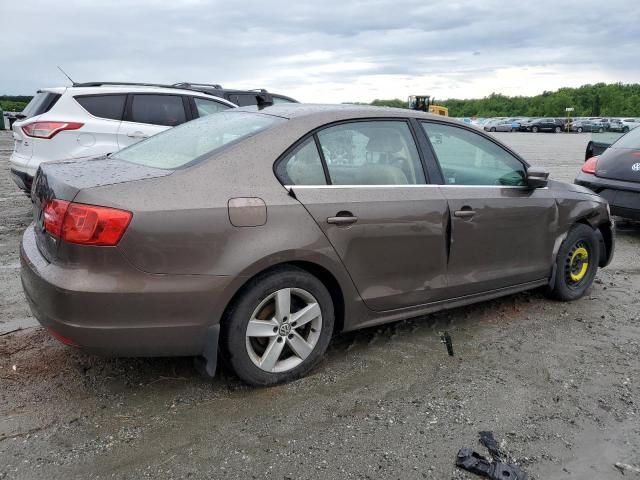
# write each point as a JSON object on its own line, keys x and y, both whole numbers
{"x": 535, "y": 129}
{"x": 278, "y": 328}
{"x": 558, "y": 129}
{"x": 580, "y": 129}
{"x": 576, "y": 263}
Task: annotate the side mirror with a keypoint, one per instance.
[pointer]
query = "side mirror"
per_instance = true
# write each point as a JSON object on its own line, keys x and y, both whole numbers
{"x": 537, "y": 177}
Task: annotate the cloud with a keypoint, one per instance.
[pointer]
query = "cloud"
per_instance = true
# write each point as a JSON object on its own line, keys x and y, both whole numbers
{"x": 330, "y": 51}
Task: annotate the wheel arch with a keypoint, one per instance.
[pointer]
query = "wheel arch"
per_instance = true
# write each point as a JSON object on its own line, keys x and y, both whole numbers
{"x": 319, "y": 271}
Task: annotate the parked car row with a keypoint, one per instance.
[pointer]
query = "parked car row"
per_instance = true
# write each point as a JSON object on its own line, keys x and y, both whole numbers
{"x": 551, "y": 124}
{"x": 96, "y": 118}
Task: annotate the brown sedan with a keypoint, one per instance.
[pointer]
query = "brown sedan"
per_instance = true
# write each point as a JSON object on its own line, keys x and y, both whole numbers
{"x": 259, "y": 234}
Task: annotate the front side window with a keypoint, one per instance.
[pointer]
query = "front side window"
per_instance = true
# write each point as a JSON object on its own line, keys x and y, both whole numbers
{"x": 207, "y": 107}
{"x": 302, "y": 167}
{"x": 167, "y": 110}
{"x": 467, "y": 158}
{"x": 371, "y": 153}
{"x": 103, "y": 106}
{"x": 196, "y": 140}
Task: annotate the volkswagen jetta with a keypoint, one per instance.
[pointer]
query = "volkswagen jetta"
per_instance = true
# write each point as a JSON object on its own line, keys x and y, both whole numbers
{"x": 256, "y": 235}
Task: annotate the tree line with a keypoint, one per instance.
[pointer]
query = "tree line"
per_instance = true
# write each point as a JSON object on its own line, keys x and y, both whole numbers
{"x": 14, "y": 103}
{"x": 601, "y": 99}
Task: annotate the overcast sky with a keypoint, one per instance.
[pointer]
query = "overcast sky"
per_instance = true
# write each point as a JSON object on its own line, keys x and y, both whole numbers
{"x": 331, "y": 51}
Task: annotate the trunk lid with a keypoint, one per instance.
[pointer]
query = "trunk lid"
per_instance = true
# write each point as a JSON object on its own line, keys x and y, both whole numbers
{"x": 63, "y": 181}
{"x": 619, "y": 164}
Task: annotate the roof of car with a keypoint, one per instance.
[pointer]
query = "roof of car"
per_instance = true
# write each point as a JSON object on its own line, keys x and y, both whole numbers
{"x": 90, "y": 89}
{"x": 343, "y": 111}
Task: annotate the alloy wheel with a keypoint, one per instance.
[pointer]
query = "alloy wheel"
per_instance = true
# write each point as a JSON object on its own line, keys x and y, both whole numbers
{"x": 283, "y": 330}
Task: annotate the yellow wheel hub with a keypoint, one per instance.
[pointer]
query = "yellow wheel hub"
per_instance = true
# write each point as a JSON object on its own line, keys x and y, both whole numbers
{"x": 578, "y": 264}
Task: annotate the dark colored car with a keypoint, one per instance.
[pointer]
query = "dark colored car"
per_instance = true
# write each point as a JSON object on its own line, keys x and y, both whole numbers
{"x": 242, "y": 98}
{"x": 556, "y": 125}
{"x": 614, "y": 173}
{"x": 588, "y": 126}
{"x": 259, "y": 234}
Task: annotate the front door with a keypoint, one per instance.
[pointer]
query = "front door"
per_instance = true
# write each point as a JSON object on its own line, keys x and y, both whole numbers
{"x": 371, "y": 200}
{"x": 502, "y": 232}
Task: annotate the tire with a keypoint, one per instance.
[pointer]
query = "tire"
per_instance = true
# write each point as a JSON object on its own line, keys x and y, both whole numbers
{"x": 575, "y": 271}
{"x": 492, "y": 129}
{"x": 625, "y": 130}
{"x": 558, "y": 130}
{"x": 294, "y": 349}
{"x": 535, "y": 129}
{"x": 580, "y": 129}
{"x": 600, "y": 130}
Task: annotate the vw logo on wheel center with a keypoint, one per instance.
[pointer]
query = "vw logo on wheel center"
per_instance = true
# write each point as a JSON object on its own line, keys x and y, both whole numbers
{"x": 635, "y": 167}
{"x": 285, "y": 328}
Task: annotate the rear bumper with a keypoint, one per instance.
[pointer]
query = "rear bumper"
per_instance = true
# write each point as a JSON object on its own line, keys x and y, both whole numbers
{"x": 121, "y": 313}
{"x": 623, "y": 197}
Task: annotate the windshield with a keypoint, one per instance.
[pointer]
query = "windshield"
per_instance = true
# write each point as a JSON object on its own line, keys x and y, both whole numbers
{"x": 185, "y": 144}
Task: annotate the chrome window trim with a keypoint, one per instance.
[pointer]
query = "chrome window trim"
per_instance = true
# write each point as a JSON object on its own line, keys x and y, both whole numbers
{"x": 523, "y": 187}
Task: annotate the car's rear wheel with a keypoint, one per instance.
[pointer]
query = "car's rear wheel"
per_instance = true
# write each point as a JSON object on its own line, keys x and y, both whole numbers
{"x": 576, "y": 263}
{"x": 625, "y": 129}
{"x": 278, "y": 328}
{"x": 600, "y": 130}
{"x": 558, "y": 129}
{"x": 579, "y": 129}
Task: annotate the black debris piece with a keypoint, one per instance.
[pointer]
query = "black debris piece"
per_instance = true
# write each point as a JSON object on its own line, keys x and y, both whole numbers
{"x": 488, "y": 440}
{"x": 446, "y": 339}
{"x": 474, "y": 462}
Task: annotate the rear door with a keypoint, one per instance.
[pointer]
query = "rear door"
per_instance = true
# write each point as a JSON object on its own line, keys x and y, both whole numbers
{"x": 502, "y": 232}
{"x": 365, "y": 186}
{"x": 147, "y": 114}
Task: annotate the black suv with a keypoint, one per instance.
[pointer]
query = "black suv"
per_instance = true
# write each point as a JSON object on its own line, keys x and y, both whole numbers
{"x": 556, "y": 125}
{"x": 242, "y": 98}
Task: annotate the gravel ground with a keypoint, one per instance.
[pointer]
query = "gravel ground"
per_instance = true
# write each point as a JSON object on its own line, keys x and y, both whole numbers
{"x": 556, "y": 382}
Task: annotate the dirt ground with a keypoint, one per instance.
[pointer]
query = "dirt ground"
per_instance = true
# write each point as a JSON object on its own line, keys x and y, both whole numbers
{"x": 557, "y": 383}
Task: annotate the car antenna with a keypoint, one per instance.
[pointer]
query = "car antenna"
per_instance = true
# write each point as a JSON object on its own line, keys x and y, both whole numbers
{"x": 65, "y": 74}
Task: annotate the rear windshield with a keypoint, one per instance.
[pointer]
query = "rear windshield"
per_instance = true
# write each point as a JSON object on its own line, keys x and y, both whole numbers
{"x": 41, "y": 103}
{"x": 189, "y": 142}
{"x": 630, "y": 140}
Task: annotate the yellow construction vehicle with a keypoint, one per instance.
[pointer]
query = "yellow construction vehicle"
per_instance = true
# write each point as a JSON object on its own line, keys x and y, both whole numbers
{"x": 425, "y": 103}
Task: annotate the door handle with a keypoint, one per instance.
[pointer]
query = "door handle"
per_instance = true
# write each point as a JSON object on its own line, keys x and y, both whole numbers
{"x": 465, "y": 212}
{"x": 343, "y": 219}
{"x": 137, "y": 134}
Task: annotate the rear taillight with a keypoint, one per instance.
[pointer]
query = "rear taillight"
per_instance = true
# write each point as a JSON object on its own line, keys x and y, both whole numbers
{"x": 590, "y": 166}
{"x": 85, "y": 224}
{"x": 49, "y": 129}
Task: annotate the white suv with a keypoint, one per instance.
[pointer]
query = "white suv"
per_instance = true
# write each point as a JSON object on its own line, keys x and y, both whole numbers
{"x": 90, "y": 120}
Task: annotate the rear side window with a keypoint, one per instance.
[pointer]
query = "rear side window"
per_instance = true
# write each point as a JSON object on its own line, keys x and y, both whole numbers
{"x": 196, "y": 140}
{"x": 207, "y": 107}
{"x": 167, "y": 110}
{"x": 371, "y": 153}
{"x": 103, "y": 106}
{"x": 243, "y": 100}
{"x": 41, "y": 103}
{"x": 302, "y": 167}
{"x": 467, "y": 158}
